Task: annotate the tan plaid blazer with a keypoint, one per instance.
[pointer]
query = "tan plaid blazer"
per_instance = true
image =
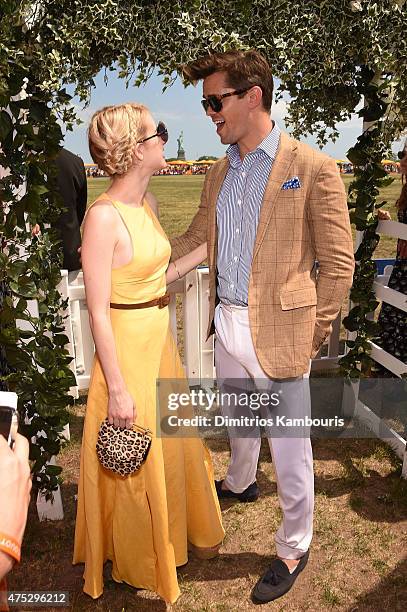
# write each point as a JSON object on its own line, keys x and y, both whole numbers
{"x": 290, "y": 312}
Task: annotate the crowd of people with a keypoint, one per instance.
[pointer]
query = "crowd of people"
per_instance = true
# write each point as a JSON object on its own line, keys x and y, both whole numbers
{"x": 92, "y": 171}
{"x": 176, "y": 169}
{"x": 345, "y": 167}
{"x": 391, "y": 167}
{"x": 169, "y": 170}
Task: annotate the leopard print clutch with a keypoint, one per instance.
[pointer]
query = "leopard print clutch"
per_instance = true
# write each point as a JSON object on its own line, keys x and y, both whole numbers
{"x": 122, "y": 451}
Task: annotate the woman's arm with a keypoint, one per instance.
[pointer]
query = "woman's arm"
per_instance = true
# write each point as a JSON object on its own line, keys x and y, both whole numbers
{"x": 99, "y": 242}
{"x": 184, "y": 264}
{"x": 178, "y": 268}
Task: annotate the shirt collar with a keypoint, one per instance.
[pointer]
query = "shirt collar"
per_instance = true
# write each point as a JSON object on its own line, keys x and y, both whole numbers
{"x": 269, "y": 145}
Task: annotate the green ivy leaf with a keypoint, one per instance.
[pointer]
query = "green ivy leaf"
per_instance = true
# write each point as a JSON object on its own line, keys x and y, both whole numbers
{"x": 53, "y": 470}
{"x": 6, "y": 125}
{"x": 45, "y": 357}
{"x": 3, "y": 260}
{"x": 17, "y": 269}
{"x": 24, "y": 287}
{"x": 25, "y": 334}
{"x": 21, "y": 306}
{"x": 7, "y": 315}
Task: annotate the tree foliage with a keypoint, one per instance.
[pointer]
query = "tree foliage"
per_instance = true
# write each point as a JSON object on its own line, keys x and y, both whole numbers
{"x": 326, "y": 54}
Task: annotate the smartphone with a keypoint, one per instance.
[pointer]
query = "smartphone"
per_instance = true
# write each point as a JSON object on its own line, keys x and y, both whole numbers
{"x": 8, "y": 416}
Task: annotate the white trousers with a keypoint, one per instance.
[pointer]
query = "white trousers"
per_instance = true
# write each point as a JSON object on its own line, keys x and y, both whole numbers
{"x": 236, "y": 360}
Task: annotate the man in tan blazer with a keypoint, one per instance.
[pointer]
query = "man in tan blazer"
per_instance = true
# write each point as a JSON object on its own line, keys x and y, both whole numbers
{"x": 269, "y": 209}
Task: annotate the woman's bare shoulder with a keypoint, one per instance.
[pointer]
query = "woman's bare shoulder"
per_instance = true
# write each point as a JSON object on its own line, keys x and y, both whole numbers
{"x": 101, "y": 209}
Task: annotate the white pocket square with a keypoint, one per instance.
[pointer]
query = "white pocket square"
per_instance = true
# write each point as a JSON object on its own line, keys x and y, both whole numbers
{"x": 292, "y": 183}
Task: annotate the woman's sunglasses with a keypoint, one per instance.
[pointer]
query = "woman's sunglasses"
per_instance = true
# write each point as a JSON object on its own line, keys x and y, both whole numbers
{"x": 215, "y": 102}
{"x": 161, "y": 132}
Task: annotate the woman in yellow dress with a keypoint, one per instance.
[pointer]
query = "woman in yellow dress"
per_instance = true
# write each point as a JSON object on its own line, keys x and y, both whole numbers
{"x": 144, "y": 523}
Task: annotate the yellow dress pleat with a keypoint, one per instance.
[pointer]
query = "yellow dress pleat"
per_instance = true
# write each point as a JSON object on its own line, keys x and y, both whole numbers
{"x": 143, "y": 523}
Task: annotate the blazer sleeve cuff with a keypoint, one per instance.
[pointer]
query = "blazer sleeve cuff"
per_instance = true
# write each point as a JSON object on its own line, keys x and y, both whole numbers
{"x": 318, "y": 340}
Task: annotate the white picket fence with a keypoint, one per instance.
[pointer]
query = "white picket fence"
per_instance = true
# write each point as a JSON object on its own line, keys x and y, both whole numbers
{"x": 352, "y": 404}
{"x": 199, "y": 360}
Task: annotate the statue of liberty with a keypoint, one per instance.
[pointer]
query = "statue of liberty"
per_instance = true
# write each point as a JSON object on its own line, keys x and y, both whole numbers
{"x": 181, "y": 152}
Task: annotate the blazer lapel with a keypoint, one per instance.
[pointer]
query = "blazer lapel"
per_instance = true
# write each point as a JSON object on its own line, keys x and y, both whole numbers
{"x": 278, "y": 175}
{"x": 219, "y": 172}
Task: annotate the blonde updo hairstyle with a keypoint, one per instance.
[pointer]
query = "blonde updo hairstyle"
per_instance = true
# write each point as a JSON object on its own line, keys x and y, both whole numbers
{"x": 113, "y": 134}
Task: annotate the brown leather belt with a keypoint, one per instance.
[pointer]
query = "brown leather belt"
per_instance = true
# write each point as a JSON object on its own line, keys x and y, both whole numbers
{"x": 161, "y": 302}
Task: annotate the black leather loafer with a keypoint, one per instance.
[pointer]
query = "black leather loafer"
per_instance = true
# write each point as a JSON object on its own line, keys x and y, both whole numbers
{"x": 277, "y": 580}
{"x": 251, "y": 494}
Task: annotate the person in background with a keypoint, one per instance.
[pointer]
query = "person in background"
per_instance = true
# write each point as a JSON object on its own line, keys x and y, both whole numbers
{"x": 15, "y": 487}
{"x": 72, "y": 185}
{"x": 392, "y": 320}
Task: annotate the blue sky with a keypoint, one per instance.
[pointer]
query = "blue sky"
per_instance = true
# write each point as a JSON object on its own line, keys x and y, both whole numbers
{"x": 181, "y": 110}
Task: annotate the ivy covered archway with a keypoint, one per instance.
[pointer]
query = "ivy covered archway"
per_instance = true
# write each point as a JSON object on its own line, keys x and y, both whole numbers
{"x": 328, "y": 56}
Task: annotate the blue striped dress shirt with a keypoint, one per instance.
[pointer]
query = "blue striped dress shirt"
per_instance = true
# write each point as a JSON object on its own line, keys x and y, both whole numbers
{"x": 237, "y": 214}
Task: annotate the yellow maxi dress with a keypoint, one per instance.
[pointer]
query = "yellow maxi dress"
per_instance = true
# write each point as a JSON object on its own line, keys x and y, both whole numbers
{"x": 143, "y": 523}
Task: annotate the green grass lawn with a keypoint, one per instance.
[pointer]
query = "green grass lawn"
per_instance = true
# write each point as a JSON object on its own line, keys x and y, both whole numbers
{"x": 179, "y": 196}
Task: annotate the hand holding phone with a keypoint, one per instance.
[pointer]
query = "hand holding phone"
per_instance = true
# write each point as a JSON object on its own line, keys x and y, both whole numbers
{"x": 15, "y": 481}
{"x": 8, "y": 416}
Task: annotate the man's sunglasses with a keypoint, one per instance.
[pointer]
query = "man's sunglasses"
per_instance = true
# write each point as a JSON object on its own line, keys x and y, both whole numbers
{"x": 161, "y": 132}
{"x": 215, "y": 102}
